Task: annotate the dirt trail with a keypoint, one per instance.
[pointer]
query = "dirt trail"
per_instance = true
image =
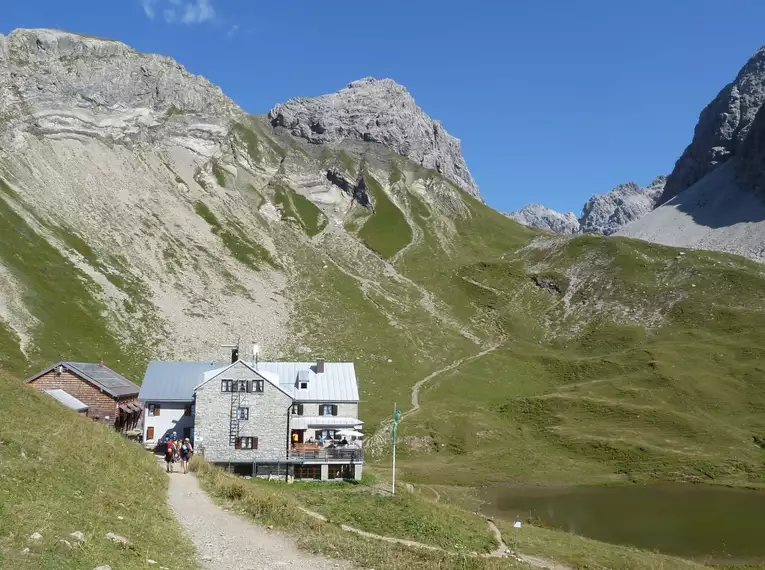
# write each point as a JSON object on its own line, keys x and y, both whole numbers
{"x": 226, "y": 540}
{"x": 501, "y": 551}
{"x": 377, "y": 441}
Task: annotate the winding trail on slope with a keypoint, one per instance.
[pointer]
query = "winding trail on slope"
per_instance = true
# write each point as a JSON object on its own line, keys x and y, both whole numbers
{"x": 501, "y": 551}
{"x": 376, "y": 442}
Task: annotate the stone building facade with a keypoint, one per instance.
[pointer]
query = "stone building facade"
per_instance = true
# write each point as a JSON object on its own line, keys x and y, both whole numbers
{"x": 267, "y": 414}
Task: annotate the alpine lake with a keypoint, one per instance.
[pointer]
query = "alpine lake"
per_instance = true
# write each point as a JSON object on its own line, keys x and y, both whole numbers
{"x": 715, "y": 525}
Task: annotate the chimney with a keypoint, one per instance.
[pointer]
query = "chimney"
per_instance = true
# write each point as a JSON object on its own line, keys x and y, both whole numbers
{"x": 319, "y": 366}
{"x": 234, "y": 354}
{"x": 101, "y": 364}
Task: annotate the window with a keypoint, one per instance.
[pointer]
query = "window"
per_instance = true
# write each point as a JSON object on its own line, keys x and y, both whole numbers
{"x": 328, "y": 410}
{"x": 327, "y": 433}
{"x": 243, "y": 413}
{"x": 246, "y": 443}
{"x": 187, "y": 410}
{"x": 257, "y": 385}
{"x": 304, "y": 385}
{"x": 153, "y": 410}
{"x": 226, "y": 385}
{"x": 308, "y": 472}
{"x": 242, "y": 385}
{"x": 149, "y": 433}
{"x": 297, "y": 409}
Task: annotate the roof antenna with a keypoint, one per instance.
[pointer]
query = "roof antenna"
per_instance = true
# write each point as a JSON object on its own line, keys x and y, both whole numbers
{"x": 255, "y": 351}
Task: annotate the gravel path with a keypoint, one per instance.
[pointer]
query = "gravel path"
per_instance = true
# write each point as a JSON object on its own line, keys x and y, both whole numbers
{"x": 226, "y": 541}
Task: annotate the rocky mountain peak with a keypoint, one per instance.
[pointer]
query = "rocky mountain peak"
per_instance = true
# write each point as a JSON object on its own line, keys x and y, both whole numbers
{"x": 603, "y": 214}
{"x": 379, "y": 111}
{"x": 54, "y": 82}
{"x": 539, "y": 216}
{"x": 722, "y": 128}
{"x": 607, "y": 213}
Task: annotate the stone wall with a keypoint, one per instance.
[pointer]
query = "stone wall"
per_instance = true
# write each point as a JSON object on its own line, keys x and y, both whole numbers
{"x": 268, "y": 419}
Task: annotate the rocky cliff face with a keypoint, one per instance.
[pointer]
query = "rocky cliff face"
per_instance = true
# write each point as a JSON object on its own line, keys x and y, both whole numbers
{"x": 57, "y": 83}
{"x": 543, "y": 218}
{"x": 379, "y": 111}
{"x": 722, "y": 128}
{"x": 608, "y": 213}
{"x": 602, "y": 214}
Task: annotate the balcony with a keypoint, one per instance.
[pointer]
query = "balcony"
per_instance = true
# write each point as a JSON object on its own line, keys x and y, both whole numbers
{"x": 312, "y": 452}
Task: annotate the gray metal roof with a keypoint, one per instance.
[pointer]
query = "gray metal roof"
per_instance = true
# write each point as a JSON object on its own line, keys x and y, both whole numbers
{"x": 175, "y": 381}
{"x": 337, "y": 384}
{"x": 67, "y": 400}
{"x": 111, "y": 382}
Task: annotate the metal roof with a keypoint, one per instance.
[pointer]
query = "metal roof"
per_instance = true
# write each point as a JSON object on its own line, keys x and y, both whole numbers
{"x": 173, "y": 381}
{"x": 67, "y": 400}
{"x": 337, "y": 384}
{"x": 176, "y": 381}
{"x": 111, "y": 382}
{"x": 305, "y": 422}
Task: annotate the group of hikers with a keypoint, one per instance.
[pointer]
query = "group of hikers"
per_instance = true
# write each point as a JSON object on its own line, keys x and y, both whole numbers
{"x": 177, "y": 450}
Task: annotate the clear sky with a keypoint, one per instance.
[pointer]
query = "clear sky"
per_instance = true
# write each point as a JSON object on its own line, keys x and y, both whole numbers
{"x": 554, "y": 100}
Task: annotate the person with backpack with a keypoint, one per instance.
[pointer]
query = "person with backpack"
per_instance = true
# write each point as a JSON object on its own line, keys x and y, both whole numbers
{"x": 186, "y": 451}
{"x": 169, "y": 455}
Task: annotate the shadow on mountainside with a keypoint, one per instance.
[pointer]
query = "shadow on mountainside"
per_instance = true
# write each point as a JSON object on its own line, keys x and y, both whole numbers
{"x": 717, "y": 201}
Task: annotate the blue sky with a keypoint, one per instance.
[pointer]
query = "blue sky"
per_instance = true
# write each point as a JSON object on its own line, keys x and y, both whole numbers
{"x": 553, "y": 100}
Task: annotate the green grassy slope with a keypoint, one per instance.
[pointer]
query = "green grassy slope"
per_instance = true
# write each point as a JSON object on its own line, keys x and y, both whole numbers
{"x": 64, "y": 304}
{"x": 61, "y": 473}
{"x": 648, "y": 366}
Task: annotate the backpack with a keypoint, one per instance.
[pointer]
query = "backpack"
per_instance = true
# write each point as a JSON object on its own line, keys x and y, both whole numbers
{"x": 184, "y": 448}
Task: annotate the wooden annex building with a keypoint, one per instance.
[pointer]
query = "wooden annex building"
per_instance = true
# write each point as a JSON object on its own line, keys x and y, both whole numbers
{"x": 92, "y": 390}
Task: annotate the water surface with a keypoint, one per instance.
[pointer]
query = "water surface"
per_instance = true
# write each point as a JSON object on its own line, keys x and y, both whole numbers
{"x": 716, "y": 524}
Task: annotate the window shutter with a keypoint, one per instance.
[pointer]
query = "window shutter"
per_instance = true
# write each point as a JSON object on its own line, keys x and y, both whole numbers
{"x": 236, "y": 443}
{"x": 334, "y": 409}
{"x": 254, "y": 442}
{"x": 321, "y": 410}
{"x": 156, "y": 409}
{"x": 300, "y": 409}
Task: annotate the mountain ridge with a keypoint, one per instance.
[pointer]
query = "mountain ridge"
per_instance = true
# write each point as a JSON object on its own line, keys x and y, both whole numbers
{"x": 602, "y": 214}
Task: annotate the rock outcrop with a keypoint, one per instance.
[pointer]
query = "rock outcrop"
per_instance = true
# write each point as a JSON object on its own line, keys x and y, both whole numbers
{"x": 722, "y": 128}
{"x": 543, "y": 218}
{"x": 379, "y": 111}
{"x": 608, "y": 213}
{"x": 602, "y": 214}
{"x": 54, "y": 82}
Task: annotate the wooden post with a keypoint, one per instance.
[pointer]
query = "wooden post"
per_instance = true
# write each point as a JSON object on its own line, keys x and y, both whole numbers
{"x": 393, "y": 487}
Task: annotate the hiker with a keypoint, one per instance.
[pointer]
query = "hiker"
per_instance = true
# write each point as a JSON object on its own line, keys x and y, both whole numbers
{"x": 186, "y": 451}
{"x": 169, "y": 455}
{"x": 321, "y": 440}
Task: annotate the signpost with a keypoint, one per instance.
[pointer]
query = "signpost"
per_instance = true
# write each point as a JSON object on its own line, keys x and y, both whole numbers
{"x": 516, "y": 526}
{"x": 394, "y": 435}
